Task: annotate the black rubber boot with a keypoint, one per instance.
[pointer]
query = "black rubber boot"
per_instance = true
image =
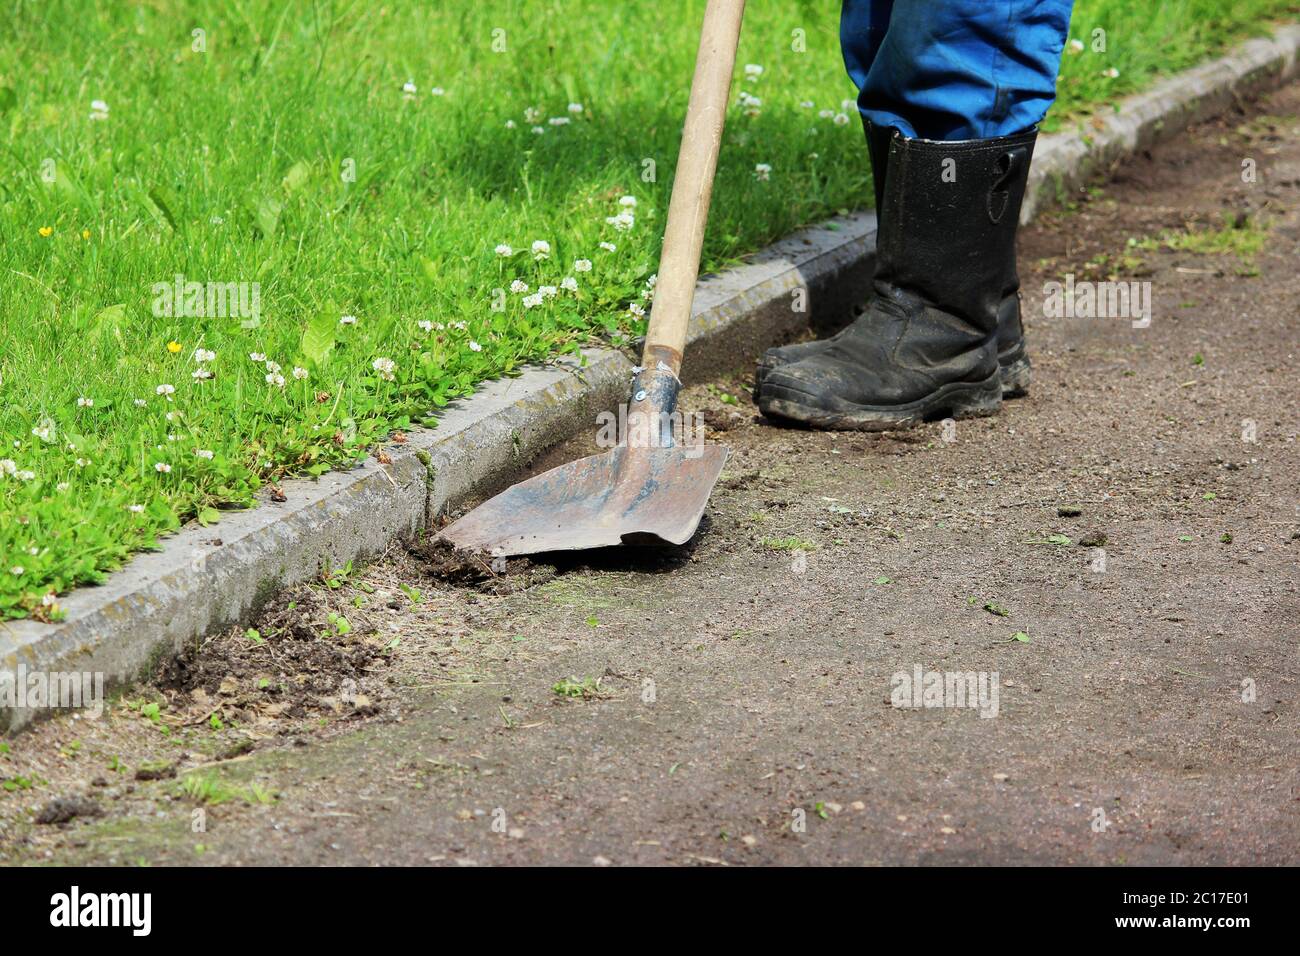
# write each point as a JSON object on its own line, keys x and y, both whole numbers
{"x": 1013, "y": 359}
{"x": 878, "y": 151}
{"x": 927, "y": 345}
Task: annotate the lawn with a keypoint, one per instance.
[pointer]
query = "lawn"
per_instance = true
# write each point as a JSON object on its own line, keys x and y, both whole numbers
{"x": 246, "y": 240}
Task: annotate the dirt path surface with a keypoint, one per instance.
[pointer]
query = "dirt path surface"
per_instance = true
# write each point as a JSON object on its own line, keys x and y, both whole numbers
{"x": 1119, "y": 548}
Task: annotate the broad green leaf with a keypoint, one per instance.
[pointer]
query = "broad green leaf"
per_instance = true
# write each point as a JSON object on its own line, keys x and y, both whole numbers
{"x": 296, "y": 176}
{"x": 158, "y": 196}
{"x": 267, "y": 214}
{"x": 318, "y": 337}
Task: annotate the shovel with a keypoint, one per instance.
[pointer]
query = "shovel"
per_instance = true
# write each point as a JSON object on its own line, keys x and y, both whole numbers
{"x": 648, "y": 489}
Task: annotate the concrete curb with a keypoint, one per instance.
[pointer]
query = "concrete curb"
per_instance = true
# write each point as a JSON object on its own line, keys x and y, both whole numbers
{"x": 205, "y": 579}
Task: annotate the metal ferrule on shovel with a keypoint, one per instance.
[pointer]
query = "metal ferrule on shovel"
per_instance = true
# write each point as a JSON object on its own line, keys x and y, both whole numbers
{"x": 647, "y": 490}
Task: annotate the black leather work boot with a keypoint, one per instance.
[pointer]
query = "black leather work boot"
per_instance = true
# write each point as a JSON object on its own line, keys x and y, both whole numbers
{"x": 1013, "y": 359}
{"x": 945, "y": 285}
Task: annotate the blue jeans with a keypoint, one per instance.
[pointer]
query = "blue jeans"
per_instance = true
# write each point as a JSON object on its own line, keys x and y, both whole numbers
{"x": 954, "y": 69}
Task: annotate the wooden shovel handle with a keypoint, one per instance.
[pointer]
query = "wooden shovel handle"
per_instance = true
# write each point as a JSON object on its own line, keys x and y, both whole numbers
{"x": 688, "y": 210}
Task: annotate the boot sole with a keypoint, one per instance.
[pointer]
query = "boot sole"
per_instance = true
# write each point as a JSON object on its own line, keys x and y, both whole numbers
{"x": 956, "y": 399}
{"x": 1015, "y": 377}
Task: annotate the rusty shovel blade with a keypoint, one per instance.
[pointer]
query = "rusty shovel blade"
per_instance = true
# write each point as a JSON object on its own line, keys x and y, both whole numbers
{"x": 627, "y": 495}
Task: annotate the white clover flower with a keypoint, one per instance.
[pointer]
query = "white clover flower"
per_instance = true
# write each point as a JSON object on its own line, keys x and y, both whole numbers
{"x": 538, "y": 130}
{"x": 62, "y": 486}
{"x": 547, "y": 291}
{"x": 753, "y": 71}
{"x": 575, "y": 108}
{"x": 459, "y": 325}
{"x": 531, "y": 301}
{"x": 438, "y": 91}
{"x": 541, "y": 249}
{"x": 504, "y": 250}
{"x": 135, "y": 509}
{"x": 25, "y": 475}
{"x": 162, "y": 468}
{"x": 652, "y": 280}
{"x": 275, "y": 378}
{"x": 409, "y": 88}
{"x": 826, "y": 114}
{"x": 1075, "y": 46}
{"x": 510, "y": 124}
{"x": 204, "y": 355}
{"x": 425, "y": 325}
{"x": 8, "y": 466}
{"x": 558, "y": 121}
{"x": 384, "y": 366}
{"x": 83, "y": 462}
{"x": 569, "y": 284}
{"x": 165, "y": 389}
{"x": 807, "y": 105}
{"x": 257, "y": 357}
{"x": 748, "y": 99}
{"x": 636, "y": 310}
{"x": 519, "y": 286}
{"x": 841, "y": 119}
{"x": 348, "y": 320}
{"x": 85, "y": 403}
{"x": 762, "y": 172}
{"x": 474, "y": 346}
{"x": 532, "y": 114}
{"x": 204, "y": 453}
{"x": 300, "y": 373}
{"x": 627, "y": 201}
{"x": 582, "y": 265}
{"x": 200, "y": 374}
{"x": 139, "y": 403}
{"x": 44, "y": 432}
{"x": 1112, "y": 73}
{"x": 98, "y": 110}
{"x": 18, "y": 570}
{"x": 848, "y": 106}
{"x": 623, "y": 221}
{"x": 172, "y": 416}
{"x": 608, "y": 246}
{"x": 273, "y": 367}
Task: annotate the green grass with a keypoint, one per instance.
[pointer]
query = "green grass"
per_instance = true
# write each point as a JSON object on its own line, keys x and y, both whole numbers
{"x": 1144, "y": 41}
{"x": 1243, "y": 237}
{"x": 282, "y": 151}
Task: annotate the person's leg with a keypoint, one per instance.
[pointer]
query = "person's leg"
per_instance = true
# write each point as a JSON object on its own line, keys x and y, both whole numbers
{"x": 959, "y": 69}
{"x": 980, "y": 70}
{"x": 863, "y": 24}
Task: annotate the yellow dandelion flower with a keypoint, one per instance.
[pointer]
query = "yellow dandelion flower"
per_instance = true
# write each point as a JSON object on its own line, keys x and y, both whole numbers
{"x": 85, "y": 234}
{"x": 46, "y": 231}
{"x": 174, "y": 347}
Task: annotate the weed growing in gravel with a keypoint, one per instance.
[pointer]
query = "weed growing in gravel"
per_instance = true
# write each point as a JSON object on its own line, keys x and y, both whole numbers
{"x": 788, "y": 544}
{"x": 580, "y": 687}
{"x": 212, "y": 790}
